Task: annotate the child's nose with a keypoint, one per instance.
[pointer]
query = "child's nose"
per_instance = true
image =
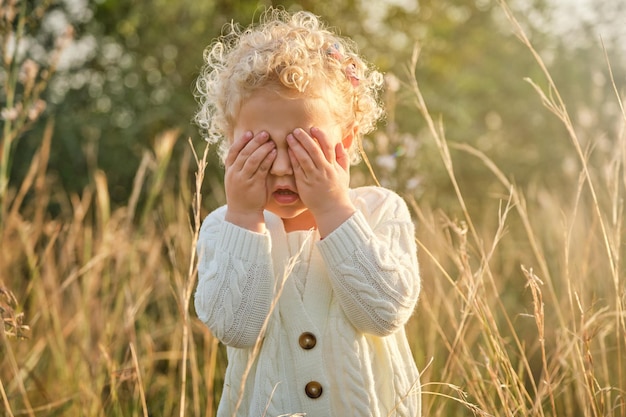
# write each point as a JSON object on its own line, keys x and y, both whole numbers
{"x": 282, "y": 164}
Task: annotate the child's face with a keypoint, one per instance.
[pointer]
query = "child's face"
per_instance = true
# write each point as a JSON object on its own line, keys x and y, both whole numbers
{"x": 279, "y": 115}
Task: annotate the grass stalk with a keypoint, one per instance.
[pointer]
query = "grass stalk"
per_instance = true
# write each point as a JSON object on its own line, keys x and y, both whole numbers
{"x": 144, "y": 404}
{"x": 187, "y": 290}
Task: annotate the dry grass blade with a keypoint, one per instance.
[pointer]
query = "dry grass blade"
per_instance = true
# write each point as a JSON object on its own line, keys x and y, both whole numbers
{"x": 5, "y": 400}
{"x": 192, "y": 271}
{"x": 144, "y": 405}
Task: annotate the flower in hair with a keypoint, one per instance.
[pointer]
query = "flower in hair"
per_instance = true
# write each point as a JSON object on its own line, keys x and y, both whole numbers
{"x": 349, "y": 70}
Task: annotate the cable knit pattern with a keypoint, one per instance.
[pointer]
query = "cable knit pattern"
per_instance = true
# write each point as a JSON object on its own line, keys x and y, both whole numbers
{"x": 373, "y": 268}
{"x": 354, "y": 291}
{"x": 234, "y": 309}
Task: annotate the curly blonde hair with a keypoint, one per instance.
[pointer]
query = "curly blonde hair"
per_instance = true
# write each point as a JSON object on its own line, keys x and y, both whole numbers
{"x": 296, "y": 52}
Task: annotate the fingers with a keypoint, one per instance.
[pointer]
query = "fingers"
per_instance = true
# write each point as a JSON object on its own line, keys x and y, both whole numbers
{"x": 302, "y": 161}
{"x": 260, "y": 160}
{"x": 310, "y": 151}
{"x": 236, "y": 147}
{"x": 317, "y": 145}
{"x": 296, "y": 154}
{"x": 251, "y": 154}
{"x": 327, "y": 148}
{"x": 295, "y": 165}
{"x": 266, "y": 161}
{"x": 326, "y": 144}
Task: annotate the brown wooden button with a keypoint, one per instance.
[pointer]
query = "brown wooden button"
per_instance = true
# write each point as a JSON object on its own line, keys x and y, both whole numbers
{"x": 307, "y": 340}
{"x": 313, "y": 389}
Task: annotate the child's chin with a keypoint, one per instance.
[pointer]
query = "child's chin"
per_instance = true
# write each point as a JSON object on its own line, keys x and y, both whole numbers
{"x": 297, "y": 220}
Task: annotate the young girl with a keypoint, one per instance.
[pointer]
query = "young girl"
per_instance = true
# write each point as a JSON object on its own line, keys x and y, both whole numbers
{"x": 307, "y": 282}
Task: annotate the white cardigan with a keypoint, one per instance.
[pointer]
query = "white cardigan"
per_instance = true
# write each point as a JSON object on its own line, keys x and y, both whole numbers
{"x": 353, "y": 292}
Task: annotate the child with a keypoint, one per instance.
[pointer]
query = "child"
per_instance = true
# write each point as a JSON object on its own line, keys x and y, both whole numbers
{"x": 307, "y": 282}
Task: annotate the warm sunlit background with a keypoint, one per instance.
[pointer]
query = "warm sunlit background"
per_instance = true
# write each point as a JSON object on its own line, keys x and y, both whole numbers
{"x": 504, "y": 132}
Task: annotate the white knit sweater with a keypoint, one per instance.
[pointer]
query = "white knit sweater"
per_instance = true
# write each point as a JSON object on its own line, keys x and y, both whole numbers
{"x": 353, "y": 291}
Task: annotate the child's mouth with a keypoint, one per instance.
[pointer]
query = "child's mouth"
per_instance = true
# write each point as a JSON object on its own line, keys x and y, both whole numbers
{"x": 284, "y": 196}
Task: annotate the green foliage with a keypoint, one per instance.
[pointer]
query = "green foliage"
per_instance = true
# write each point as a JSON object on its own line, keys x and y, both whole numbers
{"x": 23, "y": 82}
{"x": 138, "y": 80}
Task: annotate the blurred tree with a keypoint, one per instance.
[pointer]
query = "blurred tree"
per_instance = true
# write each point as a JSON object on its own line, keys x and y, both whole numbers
{"x": 134, "y": 65}
{"x": 471, "y": 71}
{"x": 135, "y": 81}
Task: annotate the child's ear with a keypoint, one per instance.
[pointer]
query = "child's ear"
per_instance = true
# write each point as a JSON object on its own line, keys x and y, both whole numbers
{"x": 350, "y": 136}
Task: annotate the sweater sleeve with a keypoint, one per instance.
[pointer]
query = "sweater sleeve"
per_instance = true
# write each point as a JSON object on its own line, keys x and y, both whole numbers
{"x": 235, "y": 278}
{"x": 372, "y": 263}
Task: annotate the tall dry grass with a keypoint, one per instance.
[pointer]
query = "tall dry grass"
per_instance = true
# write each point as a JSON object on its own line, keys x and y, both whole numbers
{"x": 106, "y": 295}
{"x": 521, "y": 315}
{"x": 525, "y": 316}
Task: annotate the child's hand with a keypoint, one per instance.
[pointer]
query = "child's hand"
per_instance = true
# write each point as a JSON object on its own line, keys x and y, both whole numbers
{"x": 248, "y": 161}
{"x": 321, "y": 170}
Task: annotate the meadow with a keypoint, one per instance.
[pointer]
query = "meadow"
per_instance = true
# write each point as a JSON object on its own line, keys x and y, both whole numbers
{"x": 522, "y": 313}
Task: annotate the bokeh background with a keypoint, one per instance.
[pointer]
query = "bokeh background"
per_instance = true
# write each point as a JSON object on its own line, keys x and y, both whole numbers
{"x": 513, "y": 164}
{"x": 128, "y": 74}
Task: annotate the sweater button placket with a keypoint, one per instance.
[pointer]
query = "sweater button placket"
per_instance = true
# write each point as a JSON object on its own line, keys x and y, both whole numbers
{"x": 307, "y": 341}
